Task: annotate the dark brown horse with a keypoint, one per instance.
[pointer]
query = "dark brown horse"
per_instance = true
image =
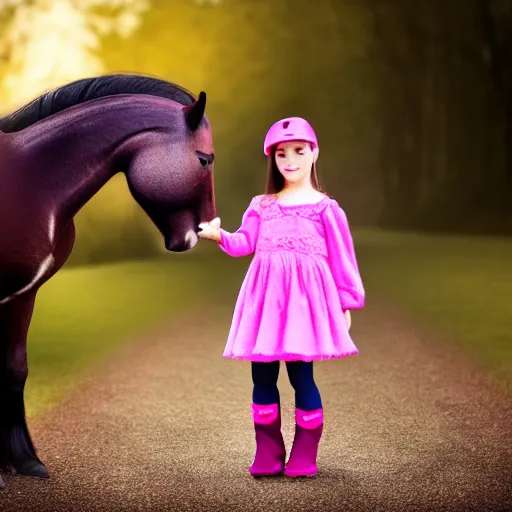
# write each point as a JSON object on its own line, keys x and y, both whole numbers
{"x": 55, "y": 155}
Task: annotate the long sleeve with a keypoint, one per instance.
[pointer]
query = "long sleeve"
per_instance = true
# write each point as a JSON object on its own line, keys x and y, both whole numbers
{"x": 243, "y": 241}
{"x": 342, "y": 258}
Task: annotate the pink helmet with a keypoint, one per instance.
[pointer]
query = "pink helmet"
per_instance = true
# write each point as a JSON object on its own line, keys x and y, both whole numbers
{"x": 291, "y": 128}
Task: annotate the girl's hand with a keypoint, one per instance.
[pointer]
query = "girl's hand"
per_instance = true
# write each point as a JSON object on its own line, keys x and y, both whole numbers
{"x": 349, "y": 318}
{"x": 210, "y": 230}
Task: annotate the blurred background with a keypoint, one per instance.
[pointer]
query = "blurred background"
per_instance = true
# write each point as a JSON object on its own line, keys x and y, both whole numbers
{"x": 412, "y": 104}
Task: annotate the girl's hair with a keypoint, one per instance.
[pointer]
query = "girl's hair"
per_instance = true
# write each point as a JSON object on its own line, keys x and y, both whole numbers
{"x": 275, "y": 180}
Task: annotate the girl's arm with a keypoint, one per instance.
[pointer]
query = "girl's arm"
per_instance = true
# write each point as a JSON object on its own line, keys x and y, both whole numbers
{"x": 342, "y": 258}
{"x": 243, "y": 241}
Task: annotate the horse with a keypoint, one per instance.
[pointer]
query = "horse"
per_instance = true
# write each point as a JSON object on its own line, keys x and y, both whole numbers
{"x": 56, "y": 153}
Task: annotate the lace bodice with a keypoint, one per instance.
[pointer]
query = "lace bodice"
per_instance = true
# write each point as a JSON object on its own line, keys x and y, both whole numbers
{"x": 319, "y": 229}
{"x": 296, "y": 228}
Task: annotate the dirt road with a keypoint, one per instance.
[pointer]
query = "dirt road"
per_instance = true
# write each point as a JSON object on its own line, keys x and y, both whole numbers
{"x": 167, "y": 426}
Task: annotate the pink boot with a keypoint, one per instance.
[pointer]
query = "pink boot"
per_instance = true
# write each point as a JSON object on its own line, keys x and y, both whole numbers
{"x": 270, "y": 451}
{"x": 308, "y": 431}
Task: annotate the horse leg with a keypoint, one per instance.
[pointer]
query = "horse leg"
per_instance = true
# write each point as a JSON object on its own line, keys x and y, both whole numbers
{"x": 16, "y": 447}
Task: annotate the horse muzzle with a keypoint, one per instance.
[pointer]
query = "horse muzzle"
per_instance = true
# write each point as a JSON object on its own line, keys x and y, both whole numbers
{"x": 182, "y": 244}
{"x": 179, "y": 230}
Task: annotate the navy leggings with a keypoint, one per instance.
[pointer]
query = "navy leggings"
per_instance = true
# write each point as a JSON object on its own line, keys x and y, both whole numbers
{"x": 300, "y": 373}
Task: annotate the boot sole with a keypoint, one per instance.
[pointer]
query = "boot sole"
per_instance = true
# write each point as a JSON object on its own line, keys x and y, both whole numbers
{"x": 300, "y": 474}
{"x": 267, "y": 475}
{"x": 275, "y": 472}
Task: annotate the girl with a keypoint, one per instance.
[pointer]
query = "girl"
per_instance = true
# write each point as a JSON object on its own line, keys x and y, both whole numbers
{"x": 294, "y": 304}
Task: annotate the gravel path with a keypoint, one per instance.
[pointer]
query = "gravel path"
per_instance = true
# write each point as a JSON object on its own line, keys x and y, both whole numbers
{"x": 167, "y": 426}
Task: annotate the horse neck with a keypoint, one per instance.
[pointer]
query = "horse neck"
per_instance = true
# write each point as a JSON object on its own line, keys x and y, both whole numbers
{"x": 70, "y": 156}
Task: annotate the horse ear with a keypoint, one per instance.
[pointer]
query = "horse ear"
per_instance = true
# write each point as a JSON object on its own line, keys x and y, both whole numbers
{"x": 195, "y": 111}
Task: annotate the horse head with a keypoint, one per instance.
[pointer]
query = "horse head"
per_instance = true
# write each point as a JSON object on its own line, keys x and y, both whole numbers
{"x": 170, "y": 175}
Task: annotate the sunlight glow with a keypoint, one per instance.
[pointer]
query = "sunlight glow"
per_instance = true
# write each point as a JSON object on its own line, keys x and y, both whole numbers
{"x": 52, "y": 42}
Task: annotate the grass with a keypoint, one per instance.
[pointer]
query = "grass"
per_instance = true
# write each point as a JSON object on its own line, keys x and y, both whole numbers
{"x": 84, "y": 314}
{"x": 460, "y": 285}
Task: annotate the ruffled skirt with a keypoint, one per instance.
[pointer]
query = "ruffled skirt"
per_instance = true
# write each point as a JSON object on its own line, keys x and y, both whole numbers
{"x": 288, "y": 309}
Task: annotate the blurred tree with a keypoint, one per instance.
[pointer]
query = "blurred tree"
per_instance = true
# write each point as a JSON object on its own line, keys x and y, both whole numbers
{"x": 51, "y": 42}
{"x": 444, "y": 121}
{"x": 410, "y": 99}
{"x": 496, "y": 16}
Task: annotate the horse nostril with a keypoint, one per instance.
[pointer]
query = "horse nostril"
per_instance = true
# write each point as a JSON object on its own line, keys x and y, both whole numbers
{"x": 204, "y": 161}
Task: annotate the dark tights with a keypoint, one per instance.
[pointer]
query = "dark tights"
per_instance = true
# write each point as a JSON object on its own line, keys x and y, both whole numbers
{"x": 300, "y": 373}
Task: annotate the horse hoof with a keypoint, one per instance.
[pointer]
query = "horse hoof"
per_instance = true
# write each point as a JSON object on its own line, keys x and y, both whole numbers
{"x": 32, "y": 468}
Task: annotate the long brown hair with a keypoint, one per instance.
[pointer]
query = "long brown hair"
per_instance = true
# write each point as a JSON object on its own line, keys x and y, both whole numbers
{"x": 275, "y": 180}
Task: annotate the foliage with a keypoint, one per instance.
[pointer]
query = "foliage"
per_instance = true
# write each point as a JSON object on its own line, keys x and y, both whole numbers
{"x": 411, "y": 100}
{"x": 50, "y": 42}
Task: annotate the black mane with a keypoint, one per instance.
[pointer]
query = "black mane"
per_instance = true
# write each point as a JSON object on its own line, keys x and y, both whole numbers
{"x": 88, "y": 89}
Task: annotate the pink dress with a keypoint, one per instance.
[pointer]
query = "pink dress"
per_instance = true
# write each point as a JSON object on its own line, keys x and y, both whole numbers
{"x": 304, "y": 274}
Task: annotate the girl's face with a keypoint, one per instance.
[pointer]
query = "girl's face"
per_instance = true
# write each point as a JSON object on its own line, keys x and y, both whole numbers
{"x": 294, "y": 160}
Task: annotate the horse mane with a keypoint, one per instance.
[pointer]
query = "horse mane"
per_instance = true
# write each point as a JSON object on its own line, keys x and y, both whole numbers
{"x": 88, "y": 89}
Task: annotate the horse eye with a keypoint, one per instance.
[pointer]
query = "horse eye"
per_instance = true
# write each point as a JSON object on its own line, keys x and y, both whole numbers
{"x": 204, "y": 161}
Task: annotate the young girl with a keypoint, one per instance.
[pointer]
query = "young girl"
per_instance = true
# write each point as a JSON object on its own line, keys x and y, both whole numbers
{"x": 294, "y": 304}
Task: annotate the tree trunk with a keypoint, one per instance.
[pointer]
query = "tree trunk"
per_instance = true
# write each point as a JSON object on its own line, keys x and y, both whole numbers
{"x": 508, "y": 147}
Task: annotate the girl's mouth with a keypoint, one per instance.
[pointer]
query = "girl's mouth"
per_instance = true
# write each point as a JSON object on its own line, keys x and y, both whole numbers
{"x": 291, "y": 170}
